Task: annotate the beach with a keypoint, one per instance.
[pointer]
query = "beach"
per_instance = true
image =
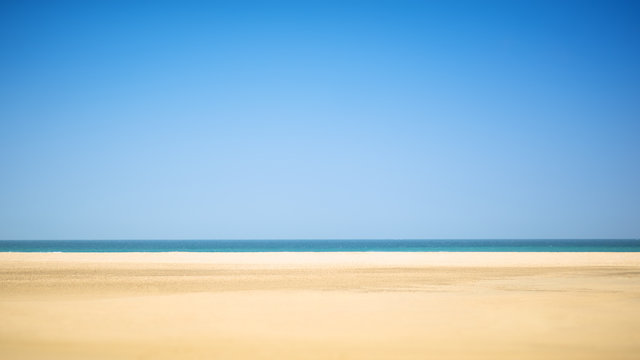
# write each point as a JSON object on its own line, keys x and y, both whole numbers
{"x": 376, "y": 305}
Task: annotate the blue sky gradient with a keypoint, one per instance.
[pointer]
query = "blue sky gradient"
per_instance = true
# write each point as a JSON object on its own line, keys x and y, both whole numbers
{"x": 391, "y": 119}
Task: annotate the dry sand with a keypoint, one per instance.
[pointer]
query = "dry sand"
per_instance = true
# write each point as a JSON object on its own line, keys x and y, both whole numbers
{"x": 320, "y": 305}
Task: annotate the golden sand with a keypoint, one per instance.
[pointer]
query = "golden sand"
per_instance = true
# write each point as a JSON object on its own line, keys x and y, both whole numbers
{"x": 320, "y": 305}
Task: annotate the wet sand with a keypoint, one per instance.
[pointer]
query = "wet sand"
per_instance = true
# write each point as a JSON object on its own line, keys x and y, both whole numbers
{"x": 320, "y": 305}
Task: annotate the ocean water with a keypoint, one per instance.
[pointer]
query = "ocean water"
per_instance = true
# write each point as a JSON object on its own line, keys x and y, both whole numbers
{"x": 503, "y": 245}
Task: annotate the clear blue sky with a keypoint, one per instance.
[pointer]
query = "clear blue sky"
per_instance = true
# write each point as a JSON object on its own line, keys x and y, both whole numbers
{"x": 346, "y": 119}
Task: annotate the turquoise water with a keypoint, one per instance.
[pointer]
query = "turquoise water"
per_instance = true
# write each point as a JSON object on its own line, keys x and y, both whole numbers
{"x": 591, "y": 245}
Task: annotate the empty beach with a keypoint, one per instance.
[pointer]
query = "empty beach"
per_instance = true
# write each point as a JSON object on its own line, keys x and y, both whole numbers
{"x": 320, "y": 305}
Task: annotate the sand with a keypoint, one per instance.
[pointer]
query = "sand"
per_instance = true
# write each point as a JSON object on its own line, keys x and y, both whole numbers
{"x": 320, "y": 306}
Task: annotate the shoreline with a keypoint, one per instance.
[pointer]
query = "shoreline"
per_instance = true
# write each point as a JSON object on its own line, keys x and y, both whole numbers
{"x": 310, "y": 259}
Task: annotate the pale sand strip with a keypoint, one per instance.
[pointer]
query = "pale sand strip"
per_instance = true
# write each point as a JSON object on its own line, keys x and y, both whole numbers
{"x": 320, "y": 305}
{"x": 312, "y": 259}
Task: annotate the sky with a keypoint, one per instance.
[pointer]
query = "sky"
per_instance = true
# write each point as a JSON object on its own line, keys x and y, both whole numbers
{"x": 319, "y": 119}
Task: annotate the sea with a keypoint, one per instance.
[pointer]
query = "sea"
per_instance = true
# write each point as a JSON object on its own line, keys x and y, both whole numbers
{"x": 395, "y": 245}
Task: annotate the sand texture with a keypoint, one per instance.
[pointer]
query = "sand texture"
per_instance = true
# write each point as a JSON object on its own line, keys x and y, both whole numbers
{"x": 320, "y": 306}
